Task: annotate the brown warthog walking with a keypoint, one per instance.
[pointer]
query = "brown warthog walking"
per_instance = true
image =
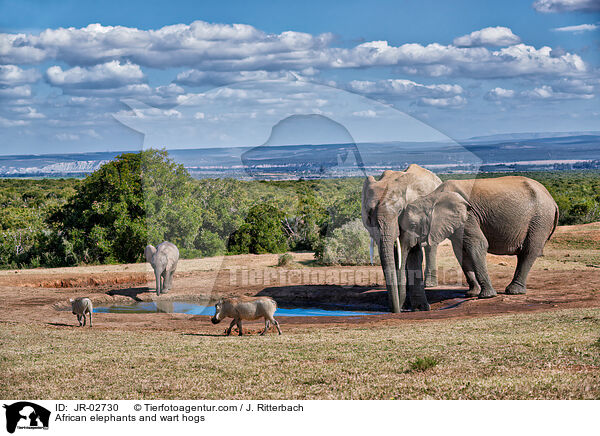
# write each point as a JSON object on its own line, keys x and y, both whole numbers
{"x": 245, "y": 308}
{"x": 80, "y": 307}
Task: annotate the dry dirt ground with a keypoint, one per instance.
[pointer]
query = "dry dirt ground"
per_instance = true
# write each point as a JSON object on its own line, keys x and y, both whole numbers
{"x": 568, "y": 276}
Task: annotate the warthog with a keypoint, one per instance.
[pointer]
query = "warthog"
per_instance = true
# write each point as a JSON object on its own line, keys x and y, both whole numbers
{"x": 80, "y": 307}
{"x": 246, "y": 308}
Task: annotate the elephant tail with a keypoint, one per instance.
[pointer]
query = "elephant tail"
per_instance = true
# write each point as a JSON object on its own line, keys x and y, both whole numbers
{"x": 556, "y": 215}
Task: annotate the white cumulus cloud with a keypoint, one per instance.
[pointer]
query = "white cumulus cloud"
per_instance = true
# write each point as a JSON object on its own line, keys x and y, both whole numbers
{"x": 547, "y": 92}
{"x": 403, "y": 88}
{"x": 547, "y": 6}
{"x": 496, "y": 36}
{"x": 452, "y": 102}
{"x": 220, "y": 78}
{"x": 169, "y": 46}
{"x": 13, "y": 75}
{"x": 22, "y": 91}
{"x": 499, "y": 93}
{"x": 111, "y": 74}
{"x": 246, "y": 53}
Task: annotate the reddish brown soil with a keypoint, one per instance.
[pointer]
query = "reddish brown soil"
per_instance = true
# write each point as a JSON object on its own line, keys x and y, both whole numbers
{"x": 41, "y": 296}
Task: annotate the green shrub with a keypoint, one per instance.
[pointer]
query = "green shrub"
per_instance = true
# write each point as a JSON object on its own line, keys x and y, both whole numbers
{"x": 262, "y": 232}
{"x": 285, "y": 260}
{"x": 421, "y": 364}
{"x": 348, "y": 245}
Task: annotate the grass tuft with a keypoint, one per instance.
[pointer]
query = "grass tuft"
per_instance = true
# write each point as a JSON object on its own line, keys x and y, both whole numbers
{"x": 421, "y": 364}
{"x": 285, "y": 260}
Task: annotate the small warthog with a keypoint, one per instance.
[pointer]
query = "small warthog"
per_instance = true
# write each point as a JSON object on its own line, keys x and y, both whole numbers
{"x": 246, "y": 308}
{"x": 80, "y": 307}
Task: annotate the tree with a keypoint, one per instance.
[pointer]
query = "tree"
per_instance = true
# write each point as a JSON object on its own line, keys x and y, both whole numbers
{"x": 262, "y": 232}
{"x": 135, "y": 199}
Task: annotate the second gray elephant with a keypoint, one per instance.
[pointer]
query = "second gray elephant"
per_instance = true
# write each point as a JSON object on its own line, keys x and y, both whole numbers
{"x": 164, "y": 260}
{"x": 383, "y": 201}
{"x": 505, "y": 215}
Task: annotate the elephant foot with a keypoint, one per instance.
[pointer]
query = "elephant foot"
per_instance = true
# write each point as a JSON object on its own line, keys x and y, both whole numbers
{"x": 431, "y": 281}
{"x": 406, "y": 307}
{"x": 515, "y": 289}
{"x": 420, "y": 304}
{"x": 423, "y": 307}
{"x": 473, "y": 292}
{"x": 487, "y": 293}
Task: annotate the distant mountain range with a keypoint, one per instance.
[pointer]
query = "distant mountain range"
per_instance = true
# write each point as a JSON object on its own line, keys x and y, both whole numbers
{"x": 506, "y": 152}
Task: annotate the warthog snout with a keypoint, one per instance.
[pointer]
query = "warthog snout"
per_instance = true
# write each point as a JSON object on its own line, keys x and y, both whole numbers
{"x": 214, "y": 320}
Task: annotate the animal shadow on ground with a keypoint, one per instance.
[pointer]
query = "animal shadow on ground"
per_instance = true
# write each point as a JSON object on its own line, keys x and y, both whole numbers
{"x": 359, "y": 298}
{"x": 61, "y": 324}
{"x": 130, "y": 292}
{"x": 214, "y": 335}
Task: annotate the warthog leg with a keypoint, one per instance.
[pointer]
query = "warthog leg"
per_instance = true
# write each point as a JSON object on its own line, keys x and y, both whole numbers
{"x": 274, "y": 321}
{"x": 239, "y": 326}
{"x": 79, "y": 319}
{"x": 228, "y": 332}
{"x": 267, "y": 325}
{"x": 90, "y": 318}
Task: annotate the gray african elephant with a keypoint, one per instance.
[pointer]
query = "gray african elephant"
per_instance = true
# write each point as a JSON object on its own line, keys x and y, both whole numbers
{"x": 505, "y": 215}
{"x": 383, "y": 201}
{"x": 164, "y": 260}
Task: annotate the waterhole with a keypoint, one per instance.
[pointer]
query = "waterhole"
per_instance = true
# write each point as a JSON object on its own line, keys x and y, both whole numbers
{"x": 198, "y": 309}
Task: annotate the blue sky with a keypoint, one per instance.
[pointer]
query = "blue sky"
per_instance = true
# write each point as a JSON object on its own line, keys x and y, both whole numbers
{"x": 461, "y": 68}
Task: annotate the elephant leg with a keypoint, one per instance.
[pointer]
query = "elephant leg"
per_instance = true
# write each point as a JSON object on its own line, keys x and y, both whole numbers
{"x": 167, "y": 283}
{"x": 239, "y": 326}
{"x": 431, "y": 280}
{"x": 415, "y": 287}
{"x": 228, "y": 332}
{"x": 475, "y": 248}
{"x": 467, "y": 268}
{"x": 525, "y": 260}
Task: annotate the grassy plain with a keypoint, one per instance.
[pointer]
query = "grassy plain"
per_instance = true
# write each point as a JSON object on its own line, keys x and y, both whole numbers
{"x": 551, "y": 355}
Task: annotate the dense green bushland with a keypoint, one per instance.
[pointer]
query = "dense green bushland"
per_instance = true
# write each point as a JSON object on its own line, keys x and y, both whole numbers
{"x": 141, "y": 198}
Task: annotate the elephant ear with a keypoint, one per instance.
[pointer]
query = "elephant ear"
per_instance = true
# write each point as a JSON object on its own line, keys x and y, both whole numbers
{"x": 149, "y": 253}
{"x": 449, "y": 213}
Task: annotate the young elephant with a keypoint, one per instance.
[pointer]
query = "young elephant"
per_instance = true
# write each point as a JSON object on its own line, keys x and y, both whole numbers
{"x": 164, "y": 260}
{"x": 80, "y": 306}
{"x": 505, "y": 215}
{"x": 246, "y": 308}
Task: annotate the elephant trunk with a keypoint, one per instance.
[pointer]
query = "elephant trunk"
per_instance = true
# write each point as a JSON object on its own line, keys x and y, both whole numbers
{"x": 157, "y": 275}
{"x": 372, "y": 249}
{"x": 411, "y": 277}
{"x": 388, "y": 263}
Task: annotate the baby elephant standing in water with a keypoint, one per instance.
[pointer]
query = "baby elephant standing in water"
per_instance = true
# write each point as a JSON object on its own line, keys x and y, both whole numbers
{"x": 80, "y": 307}
{"x": 246, "y": 308}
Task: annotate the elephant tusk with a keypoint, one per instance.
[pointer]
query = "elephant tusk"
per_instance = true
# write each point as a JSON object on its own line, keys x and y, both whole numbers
{"x": 372, "y": 249}
{"x": 398, "y": 248}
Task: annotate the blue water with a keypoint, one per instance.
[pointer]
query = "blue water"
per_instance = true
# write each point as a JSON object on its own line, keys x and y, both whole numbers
{"x": 197, "y": 309}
